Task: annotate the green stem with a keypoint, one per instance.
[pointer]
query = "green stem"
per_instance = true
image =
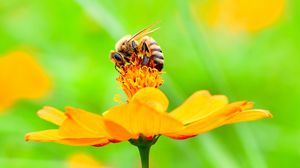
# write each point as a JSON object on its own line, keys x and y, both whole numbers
{"x": 144, "y": 154}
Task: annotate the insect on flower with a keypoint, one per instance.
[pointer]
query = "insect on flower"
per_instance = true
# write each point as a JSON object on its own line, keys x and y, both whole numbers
{"x": 144, "y": 117}
{"x": 138, "y": 49}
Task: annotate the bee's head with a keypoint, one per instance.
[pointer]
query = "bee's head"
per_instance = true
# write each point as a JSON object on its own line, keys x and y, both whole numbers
{"x": 117, "y": 57}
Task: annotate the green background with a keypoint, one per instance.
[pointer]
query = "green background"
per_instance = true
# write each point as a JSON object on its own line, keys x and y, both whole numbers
{"x": 72, "y": 40}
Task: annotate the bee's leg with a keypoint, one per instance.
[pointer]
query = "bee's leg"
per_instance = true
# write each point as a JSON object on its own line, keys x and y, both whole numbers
{"x": 135, "y": 47}
{"x": 134, "y": 55}
{"x": 116, "y": 68}
{"x": 145, "y": 49}
{"x": 145, "y": 60}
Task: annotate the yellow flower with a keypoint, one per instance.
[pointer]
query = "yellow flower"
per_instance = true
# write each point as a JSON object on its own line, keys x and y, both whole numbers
{"x": 145, "y": 115}
{"x": 144, "y": 118}
{"x": 21, "y": 77}
{"x": 241, "y": 15}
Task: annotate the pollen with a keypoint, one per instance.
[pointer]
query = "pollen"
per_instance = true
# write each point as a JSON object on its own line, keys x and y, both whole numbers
{"x": 134, "y": 77}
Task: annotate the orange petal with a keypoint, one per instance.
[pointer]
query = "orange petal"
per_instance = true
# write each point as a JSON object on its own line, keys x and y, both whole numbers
{"x": 5, "y": 100}
{"x": 138, "y": 119}
{"x": 54, "y": 136}
{"x": 35, "y": 83}
{"x": 91, "y": 125}
{"x": 152, "y": 97}
{"x": 85, "y": 142}
{"x": 52, "y": 115}
{"x": 231, "y": 113}
{"x": 244, "y": 15}
{"x": 43, "y": 136}
{"x": 249, "y": 115}
{"x": 72, "y": 129}
{"x": 89, "y": 121}
{"x": 117, "y": 132}
{"x": 21, "y": 77}
{"x": 198, "y": 106}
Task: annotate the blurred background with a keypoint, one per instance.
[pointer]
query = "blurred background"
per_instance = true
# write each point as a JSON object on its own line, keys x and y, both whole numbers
{"x": 55, "y": 53}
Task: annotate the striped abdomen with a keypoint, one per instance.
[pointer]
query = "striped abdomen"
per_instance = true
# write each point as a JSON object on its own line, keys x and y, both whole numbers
{"x": 153, "y": 52}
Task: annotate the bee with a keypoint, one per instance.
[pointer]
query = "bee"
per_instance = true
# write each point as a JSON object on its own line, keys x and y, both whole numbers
{"x": 138, "y": 47}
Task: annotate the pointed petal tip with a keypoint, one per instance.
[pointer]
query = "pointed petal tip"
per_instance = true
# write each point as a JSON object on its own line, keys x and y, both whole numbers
{"x": 265, "y": 113}
{"x": 42, "y": 111}
{"x": 248, "y": 115}
{"x": 247, "y": 105}
{"x": 199, "y": 105}
{"x": 52, "y": 115}
{"x": 27, "y": 137}
{"x": 268, "y": 113}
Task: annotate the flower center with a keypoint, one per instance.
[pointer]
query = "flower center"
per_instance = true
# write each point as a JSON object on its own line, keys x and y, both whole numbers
{"x": 134, "y": 77}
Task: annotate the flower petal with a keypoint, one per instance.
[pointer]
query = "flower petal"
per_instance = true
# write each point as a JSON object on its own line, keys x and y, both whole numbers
{"x": 139, "y": 118}
{"x": 85, "y": 142}
{"x": 43, "y": 136}
{"x": 117, "y": 132}
{"x": 249, "y": 115}
{"x": 52, "y": 115}
{"x": 54, "y": 136}
{"x": 6, "y": 100}
{"x": 21, "y": 77}
{"x": 87, "y": 124}
{"x": 35, "y": 83}
{"x": 238, "y": 15}
{"x": 152, "y": 97}
{"x": 91, "y": 122}
{"x": 72, "y": 129}
{"x": 233, "y": 112}
{"x": 198, "y": 106}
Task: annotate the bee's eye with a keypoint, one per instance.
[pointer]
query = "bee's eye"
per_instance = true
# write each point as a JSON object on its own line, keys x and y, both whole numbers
{"x": 117, "y": 56}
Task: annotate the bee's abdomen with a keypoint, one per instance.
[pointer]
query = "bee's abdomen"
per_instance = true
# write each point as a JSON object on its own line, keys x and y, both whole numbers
{"x": 153, "y": 51}
{"x": 156, "y": 55}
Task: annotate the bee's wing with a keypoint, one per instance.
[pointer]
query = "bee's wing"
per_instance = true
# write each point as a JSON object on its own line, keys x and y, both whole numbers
{"x": 143, "y": 32}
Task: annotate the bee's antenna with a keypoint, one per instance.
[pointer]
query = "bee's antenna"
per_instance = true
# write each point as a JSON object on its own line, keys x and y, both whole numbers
{"x": 152, "y": 30}
{"x": 144, "y": 31}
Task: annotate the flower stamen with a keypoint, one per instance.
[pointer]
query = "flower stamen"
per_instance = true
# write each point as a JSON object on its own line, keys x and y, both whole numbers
{"x": 135, "y": 77}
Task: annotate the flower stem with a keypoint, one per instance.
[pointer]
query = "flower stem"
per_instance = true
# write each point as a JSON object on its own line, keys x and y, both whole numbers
{"x": 144, "y": 154}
